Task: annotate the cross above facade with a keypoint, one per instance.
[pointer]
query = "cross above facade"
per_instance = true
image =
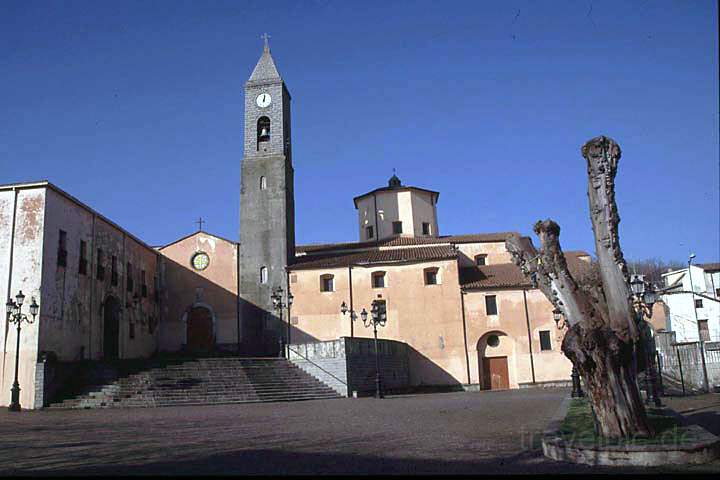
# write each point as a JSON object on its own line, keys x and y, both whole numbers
{"x": 266, "y": 37}
{"x": 200, "y": 222}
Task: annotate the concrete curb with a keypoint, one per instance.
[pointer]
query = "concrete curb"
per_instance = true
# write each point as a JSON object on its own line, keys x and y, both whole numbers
{"x": 704, "y": 449}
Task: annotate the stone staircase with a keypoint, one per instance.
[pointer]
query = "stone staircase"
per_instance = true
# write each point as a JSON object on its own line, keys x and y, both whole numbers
{"x": 201, "y": 381}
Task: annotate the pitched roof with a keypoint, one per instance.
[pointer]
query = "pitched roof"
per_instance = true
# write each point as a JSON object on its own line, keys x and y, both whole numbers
{"x": 265, "y": 70}
{"x": 400, "y": 241}
{"x": 710, "y": 267}
{"x": 198, "y": 232}
{"x": 502, "y": 275}
{"x": 370, "y": 257}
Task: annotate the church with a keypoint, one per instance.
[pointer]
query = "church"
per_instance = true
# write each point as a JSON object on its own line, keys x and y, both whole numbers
{"x": 459, "y": 313}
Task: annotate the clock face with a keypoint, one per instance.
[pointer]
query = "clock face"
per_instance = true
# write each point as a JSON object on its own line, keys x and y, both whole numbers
{"x": 200, "y": 261}
{"x": 263, "y": 100}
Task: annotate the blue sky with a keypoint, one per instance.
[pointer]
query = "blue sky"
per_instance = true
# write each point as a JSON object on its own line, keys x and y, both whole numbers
{"x": 135, "y": 108}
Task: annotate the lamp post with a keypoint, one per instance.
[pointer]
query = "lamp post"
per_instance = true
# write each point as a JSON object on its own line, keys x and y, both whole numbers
{"x": 15, "y": 315}
{"x": 644, "y": 297}
{"x": 279, "y": 305}
{"x": 378, "y": 317}
{"x": 560, "y": 323}
{"x": 692, "y": 290}
{"x": 353, "y": 316}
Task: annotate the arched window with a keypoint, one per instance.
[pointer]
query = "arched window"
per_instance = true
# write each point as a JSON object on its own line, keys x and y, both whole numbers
{"x": 327, "y": 283}
{"x": 263, "y": 274}
{"x": 263, "y": 130}
{"x": 263, "y": 183}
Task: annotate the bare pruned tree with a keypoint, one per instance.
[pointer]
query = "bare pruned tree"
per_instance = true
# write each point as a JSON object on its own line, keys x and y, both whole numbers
{"x": 603, "y": 334}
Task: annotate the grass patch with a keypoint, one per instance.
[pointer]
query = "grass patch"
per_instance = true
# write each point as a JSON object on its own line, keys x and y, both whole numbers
{"x": 578, "y": 426}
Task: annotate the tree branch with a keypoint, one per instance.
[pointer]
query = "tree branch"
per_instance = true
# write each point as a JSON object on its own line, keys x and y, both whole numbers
{"x": 602, "y": 155}
{"x": 551, "y": 273}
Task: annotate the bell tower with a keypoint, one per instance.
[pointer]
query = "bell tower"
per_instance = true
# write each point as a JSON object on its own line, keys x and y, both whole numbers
{"x": 267, "y": 205}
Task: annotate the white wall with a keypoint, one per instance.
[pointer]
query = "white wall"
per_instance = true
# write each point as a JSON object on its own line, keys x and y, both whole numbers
{"x": 681, "y": 306}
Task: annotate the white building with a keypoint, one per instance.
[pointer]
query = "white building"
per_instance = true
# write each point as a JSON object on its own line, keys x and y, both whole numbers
{"x": 693, "y": 299}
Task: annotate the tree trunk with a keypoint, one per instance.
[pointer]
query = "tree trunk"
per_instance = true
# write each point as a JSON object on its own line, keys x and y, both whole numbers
{"x": 602, "y": 333}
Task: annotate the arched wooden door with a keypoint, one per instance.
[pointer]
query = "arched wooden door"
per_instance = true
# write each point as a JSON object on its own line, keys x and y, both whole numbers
{"x": 199, "y": 330}
{"x": 111, "y": 328}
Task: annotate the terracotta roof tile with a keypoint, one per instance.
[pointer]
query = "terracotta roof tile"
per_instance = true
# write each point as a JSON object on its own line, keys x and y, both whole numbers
{"x": 503, "y": 275}
{"x": 400, "y": 241}
{"x": 368, "y": 257}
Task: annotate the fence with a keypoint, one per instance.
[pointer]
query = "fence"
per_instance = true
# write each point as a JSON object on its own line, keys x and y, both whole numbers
{"x": 688, "y": 367}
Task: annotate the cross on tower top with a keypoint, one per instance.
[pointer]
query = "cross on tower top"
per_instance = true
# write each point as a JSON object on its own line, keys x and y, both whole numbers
{"x": 200, "y": 222}
{"x": 266, "y": 38}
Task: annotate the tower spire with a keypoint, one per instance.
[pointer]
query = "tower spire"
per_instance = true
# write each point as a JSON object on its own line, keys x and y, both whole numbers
{"x": 266, "y": 46}
{"x": 265, "y": 70}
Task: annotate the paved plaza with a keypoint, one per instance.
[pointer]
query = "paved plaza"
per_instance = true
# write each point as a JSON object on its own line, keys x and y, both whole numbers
{"x": 487, "y": 432}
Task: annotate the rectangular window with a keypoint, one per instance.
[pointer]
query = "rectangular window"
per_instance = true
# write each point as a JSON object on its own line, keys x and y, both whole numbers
{"x": 82, "y": 266}
{"x": 62, "y": 249}
{"x": 480, "y": 260}
{"x": 426, "y": 228}
{"x": 100, "y": 274}
{"x": 369, "y": 232}
{"x": 703, "y": 331}
{"x": 431, "y": 277}
{"x": 698, "y": 303}
{"x": 327, "y": 283}
{"x": 490, "y": 305}
{"x": 143, "y": 285}
{"x": 397, "y": 227}
{"x": 545, "y": 340}
{"x": 113, "y": 271}
{"x": 132, "y": 330}
{"x": 378, "y": 280}
{"x": 128, "y": 273}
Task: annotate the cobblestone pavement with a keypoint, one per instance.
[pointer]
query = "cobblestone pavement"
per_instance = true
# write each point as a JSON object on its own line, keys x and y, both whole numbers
{"x": 488, "y": 432}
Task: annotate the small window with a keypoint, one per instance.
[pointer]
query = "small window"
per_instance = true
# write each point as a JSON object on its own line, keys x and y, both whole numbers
{"x": 62, "y": 249}
{"x": 481, "y": 259}
{"x": 369, "y": 232}
{"x": 698, "y": 303}
{"x": 113, "y": 271}
{"x": 426, "y": 228}
{"x": 493, "y": 341}
{"x": 100, "y": 274}
{"x": 490, "y": 305}
{"x": 263, "y": 183}
{"x": 703, "y": 331}
{"x": 132, "y": 329}
{"x": 327, "y": 283}
{"x": 545, "y": 340}
{"x": 378, "y": 280}
{"x": 128, "y": 273}
{"x": 82, "y": 266}
{"x": 263, "y": 275}
{"x": 431, "y": 276}
{"x": 397, "y": 227}
{"x": 143, "y": 284}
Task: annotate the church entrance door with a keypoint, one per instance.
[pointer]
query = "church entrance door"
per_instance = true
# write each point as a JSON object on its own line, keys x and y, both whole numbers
{"x": 111, "y": 328}
{"x": 495, "y": 373}
{"x": 199, "y": 330}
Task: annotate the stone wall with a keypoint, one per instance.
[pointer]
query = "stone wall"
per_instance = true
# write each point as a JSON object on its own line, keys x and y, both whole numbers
{"x": 348, "y": 364}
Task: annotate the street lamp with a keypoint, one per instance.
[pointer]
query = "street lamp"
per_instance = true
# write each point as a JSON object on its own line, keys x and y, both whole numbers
{"x": 353, "y": 316}
{"x": 378, "y": 317}
{"x": 644, "y": 297}
{"x": 692, "y": 288}
{"x": 279, "y": 305}
{"x": 561, "y": 323}
{"x": 15, "y": 315}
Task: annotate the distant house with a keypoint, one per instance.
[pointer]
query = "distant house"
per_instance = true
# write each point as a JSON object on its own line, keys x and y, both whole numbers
{"x": 692, "y": 296}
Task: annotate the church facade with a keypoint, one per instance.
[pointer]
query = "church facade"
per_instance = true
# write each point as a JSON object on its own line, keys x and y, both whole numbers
{"x": 466, "y": 313}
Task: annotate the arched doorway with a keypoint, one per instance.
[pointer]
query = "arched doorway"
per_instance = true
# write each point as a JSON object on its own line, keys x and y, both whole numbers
{"x": 494, "y": 349}
{"x": 111, "y": 328}
{"x": 200, "y": 337}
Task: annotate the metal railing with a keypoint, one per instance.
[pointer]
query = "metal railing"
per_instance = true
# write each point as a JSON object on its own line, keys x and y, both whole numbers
{"x": 315, "y": 364}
